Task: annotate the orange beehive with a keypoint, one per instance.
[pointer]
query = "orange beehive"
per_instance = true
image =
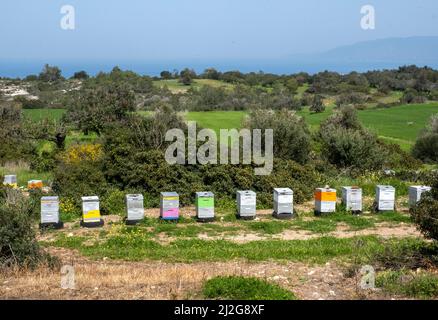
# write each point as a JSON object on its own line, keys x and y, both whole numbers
{"x": 325, "y": 195}
{"x": 35, "y": 184}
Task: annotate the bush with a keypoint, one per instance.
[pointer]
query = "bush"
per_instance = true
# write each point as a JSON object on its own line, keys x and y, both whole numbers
{"x": 241, "y": 288}
{"x": 18, "y": 243}
{"x": 113, "y": 202}
{"x": 291, "y": 133}
{"x": 425, "y": 213}
{"x": 426, "y": 146}
{"x": 346, "y": 144}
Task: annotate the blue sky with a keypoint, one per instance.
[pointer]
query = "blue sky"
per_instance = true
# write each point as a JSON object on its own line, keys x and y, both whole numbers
{"x": 201, "y": 29}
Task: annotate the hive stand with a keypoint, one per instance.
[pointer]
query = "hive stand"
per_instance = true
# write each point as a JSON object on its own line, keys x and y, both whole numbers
{"x": 52, "y": 225}
{"x": 96, "y": 224}
{"x": 283, "y": 216}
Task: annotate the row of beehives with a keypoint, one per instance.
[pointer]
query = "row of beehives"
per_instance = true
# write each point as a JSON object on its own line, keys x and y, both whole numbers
{"x": 11, "y": 180}
{"x": 325, "y": 202}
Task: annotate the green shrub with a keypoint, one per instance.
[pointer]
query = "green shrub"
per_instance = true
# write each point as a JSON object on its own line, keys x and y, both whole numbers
{"x": 422, "y": 285}
{"x": 291, "y": 133}
{"x": 241, "y": 288}
{"x": 346, "y": 144}
{"x": 426, "y": 146}
{"x": 425, "y": 213}
{"x": 18, "y": 243}
{"x": 113, "y": 202}
{"x": 79, "y": 179}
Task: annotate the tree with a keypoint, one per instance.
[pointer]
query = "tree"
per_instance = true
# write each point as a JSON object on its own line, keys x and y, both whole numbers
{"x": 50, "y": 74}
{"x": 166, "y": 75}
{"x": 211, "y": 73}
{"x": 93, "y": 110}
{"x": 81, "y": 75}
{"x": 187, "y": 76}
{"x": 292, "y": 85}
{"x": 317, "y": 104}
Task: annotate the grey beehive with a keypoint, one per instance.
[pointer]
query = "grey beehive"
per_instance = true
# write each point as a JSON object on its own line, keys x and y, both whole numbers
{"x": 134, "y": 208}
{"x": 50, "y": 212}
{"x": 246, "y": 204}
{"x": 283, "y": 202}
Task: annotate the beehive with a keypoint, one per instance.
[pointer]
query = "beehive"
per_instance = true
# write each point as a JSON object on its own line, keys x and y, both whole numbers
{"x": 205, "y": 206}
{"x": 352, "y": 199}
{"x": 91, "y": 212}
{"x": 169, "y": 206}
{"x": 415, "y": 193}
{"x": 10, "y": 180}
{"x": 246, "y": 204}
{"x": 283, "y": 203}
{"x": 325, "y": 201}
{"x": 50, "y": 213}
{"x": 134, "y": 208}
{"x": 385, "y": 198}
{"x": 34, "y": 184}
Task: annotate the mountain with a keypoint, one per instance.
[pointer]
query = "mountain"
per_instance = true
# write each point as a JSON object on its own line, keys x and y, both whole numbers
{"x": 375, "y": 54}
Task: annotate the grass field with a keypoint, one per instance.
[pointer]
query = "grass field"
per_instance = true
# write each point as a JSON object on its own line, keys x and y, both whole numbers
{"x": 400, "y": 124}
{"x": 177, "y": 87}
{"x": 40, "y": 114}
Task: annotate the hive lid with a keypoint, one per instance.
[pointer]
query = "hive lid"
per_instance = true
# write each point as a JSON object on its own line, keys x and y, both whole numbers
{"x": 169, "y": 194}
{"x": 325, "y": 189}
{"x": 385, "y": 187}
{"x": 247, "y": 192}
{"x": 283, "y": 190}
{"x": 134, "y": 196}
{"x": 205, "y": 194}
{"x": 50, "y": 198}
{"x": 90, "y": 198}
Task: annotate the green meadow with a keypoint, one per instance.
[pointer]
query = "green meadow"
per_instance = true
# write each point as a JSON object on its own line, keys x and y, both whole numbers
{"x": 400, "y": 124}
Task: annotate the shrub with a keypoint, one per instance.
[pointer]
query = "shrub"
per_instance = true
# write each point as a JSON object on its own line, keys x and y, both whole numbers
{"x": 426, "y": 146}
{"x": 18, "y": 243}
{"x": 425, "y": 213}
{"x": 113, "y": 202}
{"x": 346, "y": 144}
{"x": 241, "y": 288}
{"x": 291, "y": 133}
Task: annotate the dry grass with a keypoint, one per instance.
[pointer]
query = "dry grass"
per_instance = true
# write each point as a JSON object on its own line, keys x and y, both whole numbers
{"x": 157, "y": 280}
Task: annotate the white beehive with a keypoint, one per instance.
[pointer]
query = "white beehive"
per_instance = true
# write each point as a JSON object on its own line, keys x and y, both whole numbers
{"x": 352, "y": 199}
{"x": 415, "y": 193}
{"x": 283, "y": 203}
{"x": 50, "y": 212}
{"x": 246, "y": 204}
{"x": 134, "y": 208}
{"x": 91, "y": 212}
{"x": 10, "y": 180}
{"x": 385, "y": 198}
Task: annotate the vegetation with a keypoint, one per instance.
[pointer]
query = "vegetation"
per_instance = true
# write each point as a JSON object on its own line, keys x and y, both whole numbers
{"x": 240, "y": 288}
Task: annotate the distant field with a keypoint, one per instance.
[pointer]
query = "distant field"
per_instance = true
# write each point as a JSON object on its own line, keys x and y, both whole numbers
{"x": 217, "y": 120}
{"x": 399, "y": 125}
{"x": 40, "y": 114}
{"x": 176, "y": 87}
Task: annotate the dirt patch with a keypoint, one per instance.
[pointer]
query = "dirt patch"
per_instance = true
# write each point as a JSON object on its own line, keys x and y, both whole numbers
{"x": 157, "y": 280}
